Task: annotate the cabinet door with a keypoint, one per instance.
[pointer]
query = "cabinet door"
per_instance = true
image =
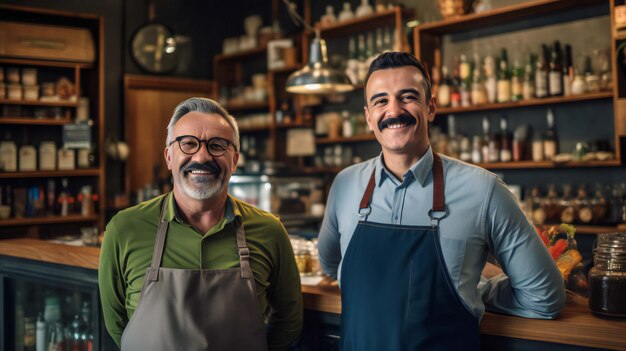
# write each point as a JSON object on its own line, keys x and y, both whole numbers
{"x": 49, "y": 307}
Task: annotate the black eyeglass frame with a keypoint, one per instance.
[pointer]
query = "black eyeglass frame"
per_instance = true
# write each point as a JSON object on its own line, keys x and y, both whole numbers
{"x": 206, "y": 142}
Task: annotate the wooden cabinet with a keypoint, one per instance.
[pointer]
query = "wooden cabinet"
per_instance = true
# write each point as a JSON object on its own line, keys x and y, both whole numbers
{"x": 62, "y": 94}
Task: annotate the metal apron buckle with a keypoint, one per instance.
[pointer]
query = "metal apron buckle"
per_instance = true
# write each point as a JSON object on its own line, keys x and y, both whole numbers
{"x": 434, "y": 220}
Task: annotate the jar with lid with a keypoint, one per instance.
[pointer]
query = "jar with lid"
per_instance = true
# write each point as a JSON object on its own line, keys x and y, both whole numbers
{"x": 607, "y": 279}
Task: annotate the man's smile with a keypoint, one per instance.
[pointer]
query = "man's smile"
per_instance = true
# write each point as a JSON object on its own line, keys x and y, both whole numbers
{"x": 397, "y": 122}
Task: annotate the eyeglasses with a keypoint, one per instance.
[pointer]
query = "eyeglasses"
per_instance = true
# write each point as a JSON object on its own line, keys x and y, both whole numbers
{"x": 189, "y": 145}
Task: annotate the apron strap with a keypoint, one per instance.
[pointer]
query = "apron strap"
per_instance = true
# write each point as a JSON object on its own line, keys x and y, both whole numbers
{"x": 439, "y": 201}
{"x": 244, "y": 252}
{"x": 159, "y": 243}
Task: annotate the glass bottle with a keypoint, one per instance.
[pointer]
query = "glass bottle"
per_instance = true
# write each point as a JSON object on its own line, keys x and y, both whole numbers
{"x": 443, "y": 92}
{"x": 466, "y": 150}
{"x": 485, "y": 141}
{"x": 504, "y": 79}
{"x": 491, "y": 84}
{"x": 541, "y": 74}
{"x": 477, "y": 154}
{"x": 550, "y": 145}
{"x": 363, "y": 67}
{"x": 556, "y": 73}
{"x": 465, "y": 68}
{"x": 517, "y": 81}
{"x": 506, "y": 154}
{"x": 537, "y": 211}
{"x": 479, "y": 93}
{"x": 551, "y": 204}
{"x": 568, "y": 70}
{"x": 352, "y": 66}
{"x": 453, "y": 141}
{"x": 568, "y": 213}
{"x": 599, "y": 205}
{"x": 528, "y": 88}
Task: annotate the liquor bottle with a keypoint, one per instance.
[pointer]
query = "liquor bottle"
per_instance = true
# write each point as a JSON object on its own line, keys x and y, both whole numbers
{"x": 528, "y": 88}
{"x": 465, "y": 153}
{"x": 387, "y": 40}
{"x": 550, "y": 145}
{"x": 479, "y": 93}
{"x": 537, "y": 147}
{"x": 568, "y": 71}
{"x": 8, "y": 154}
{"x": 537, "y": 211}
{"x": 491, "y": 84}
{"x": 494, "y": 147}
{"x": 363, "y": 66}
{"x": 64, "y": 199}
{"x": 485, "y": 141}
{"x": 477, "y": 153}
{"x": 41, "y": 337}
{"x": 465, "y": 91}
{"x": 518, "y": 145}
{"x": 551, "y": 204}
{"x": 455, "y": 92}
{"x": 505, "y": 143}
{"x": 556, "y": 72}
{"x": 517, "y": 81}
{"x": 379, "y": 41}
{"x": 347, "y": 128}
{"x": 464, "y": 68}
{"x": 243, "y": 152}
{"x": 443, "y": 92}
{"x": 541, "y": 74}
{"x": 504, "y": 80}
{"x": 352, "y": 66}
{"x": 453, "y": 141}
{"x": 370, "y": 54}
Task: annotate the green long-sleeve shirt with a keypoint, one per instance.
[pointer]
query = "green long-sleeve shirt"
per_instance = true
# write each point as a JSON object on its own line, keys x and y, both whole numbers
{"x": 127, "y": 251}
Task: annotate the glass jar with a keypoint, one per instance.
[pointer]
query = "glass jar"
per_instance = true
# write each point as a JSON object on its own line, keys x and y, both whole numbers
{"x": 607, "y": 279}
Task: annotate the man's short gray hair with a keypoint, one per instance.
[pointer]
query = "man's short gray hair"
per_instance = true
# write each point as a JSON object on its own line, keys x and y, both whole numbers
{"x": 201, "y": 105}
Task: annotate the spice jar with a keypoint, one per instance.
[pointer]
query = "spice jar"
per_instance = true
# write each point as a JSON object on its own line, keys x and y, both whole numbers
{"x": 607, "y": 279}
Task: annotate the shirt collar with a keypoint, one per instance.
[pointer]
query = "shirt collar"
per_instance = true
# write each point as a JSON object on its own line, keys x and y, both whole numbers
{"x": 231, "y": 212}
{"x": 421, "y": 169}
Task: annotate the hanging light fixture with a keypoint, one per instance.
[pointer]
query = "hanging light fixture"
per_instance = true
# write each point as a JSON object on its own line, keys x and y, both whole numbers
{"x": 317, "y": 77}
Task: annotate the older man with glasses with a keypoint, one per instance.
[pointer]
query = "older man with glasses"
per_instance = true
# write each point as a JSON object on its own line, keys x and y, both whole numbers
{"x": 198, "y": 269}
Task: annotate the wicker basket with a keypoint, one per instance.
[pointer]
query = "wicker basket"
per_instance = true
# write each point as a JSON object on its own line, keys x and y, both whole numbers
{"x": 454, "y": 8}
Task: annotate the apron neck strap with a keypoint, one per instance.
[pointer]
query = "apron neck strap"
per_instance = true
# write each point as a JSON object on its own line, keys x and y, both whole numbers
{"x": 159, "y": 242}
{"x": 243, "y": 251}
{"x": 438, "y": 190}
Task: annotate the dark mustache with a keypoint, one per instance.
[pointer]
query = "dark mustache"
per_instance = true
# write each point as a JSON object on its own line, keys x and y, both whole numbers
{"x": 406, "y": 119}
{"x": 208, "y": 167}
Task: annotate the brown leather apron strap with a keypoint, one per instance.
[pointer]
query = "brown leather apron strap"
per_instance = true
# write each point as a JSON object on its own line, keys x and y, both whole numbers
{"x": 244, "y": 252}
{"x": 439, "y": 200}
{"x": 159, "y": 242}
{"x": 439, "y": 203}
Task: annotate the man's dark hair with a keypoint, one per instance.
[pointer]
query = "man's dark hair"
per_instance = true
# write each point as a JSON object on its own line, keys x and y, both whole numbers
{"x": 399, "y": 59}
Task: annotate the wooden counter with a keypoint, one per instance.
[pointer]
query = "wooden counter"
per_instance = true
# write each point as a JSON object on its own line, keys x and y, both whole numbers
{"x": 575, "y": 326}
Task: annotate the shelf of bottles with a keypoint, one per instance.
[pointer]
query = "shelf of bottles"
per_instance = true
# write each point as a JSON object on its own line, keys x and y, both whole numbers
{"x": 592, "y": 210}
{"x": 49, "y": 317}
{"x": 48, "y": 201}
{"x": 50, "y": 174}
{"x": 347, "y": 23}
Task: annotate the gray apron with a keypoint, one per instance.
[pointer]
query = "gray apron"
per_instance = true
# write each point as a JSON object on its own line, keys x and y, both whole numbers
{"x": 196, "y": 309}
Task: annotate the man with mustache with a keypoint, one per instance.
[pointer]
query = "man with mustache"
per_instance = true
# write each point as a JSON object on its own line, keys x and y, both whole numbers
{"x": 408, "y": 233}
{"x": 198, "y": 269}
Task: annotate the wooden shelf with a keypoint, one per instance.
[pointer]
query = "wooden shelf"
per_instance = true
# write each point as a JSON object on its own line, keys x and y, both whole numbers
{"x": 247, "y": 106}
{"x": 34, "y": 121}
{"x": 49, "y": 174}
{"x": 354, "y": 139}
{"x": 361, "y": 24}
{"x": 44, "y": 63}
{"x": 13, "y": 222}
{"x": 240, "y": 55}
{"x": 525, "y": 103}
{"x": 503, "y": 15}
{"x": 39, "y": 103}
{"x": 547, "y": 164}
{"x": 595, "y": 229}
{"x": 293, "y": 125}
{"x": 254, "y": 129}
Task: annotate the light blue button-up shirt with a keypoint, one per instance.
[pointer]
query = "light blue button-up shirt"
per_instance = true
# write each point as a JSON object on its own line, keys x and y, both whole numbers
{"x": 483, "y": 217}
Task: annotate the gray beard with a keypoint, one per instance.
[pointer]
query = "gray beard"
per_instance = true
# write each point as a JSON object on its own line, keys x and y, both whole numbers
{"x": 201, "y": 190}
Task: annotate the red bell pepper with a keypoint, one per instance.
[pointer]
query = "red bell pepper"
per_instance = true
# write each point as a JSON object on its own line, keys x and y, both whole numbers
{"x": 558, "y": 248}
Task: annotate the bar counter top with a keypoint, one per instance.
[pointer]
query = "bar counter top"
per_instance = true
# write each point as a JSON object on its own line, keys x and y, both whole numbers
{"x": 575, "y": 326}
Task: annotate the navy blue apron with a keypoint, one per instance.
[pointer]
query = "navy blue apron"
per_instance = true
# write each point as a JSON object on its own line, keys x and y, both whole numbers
{"x": 396, "y": 292}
